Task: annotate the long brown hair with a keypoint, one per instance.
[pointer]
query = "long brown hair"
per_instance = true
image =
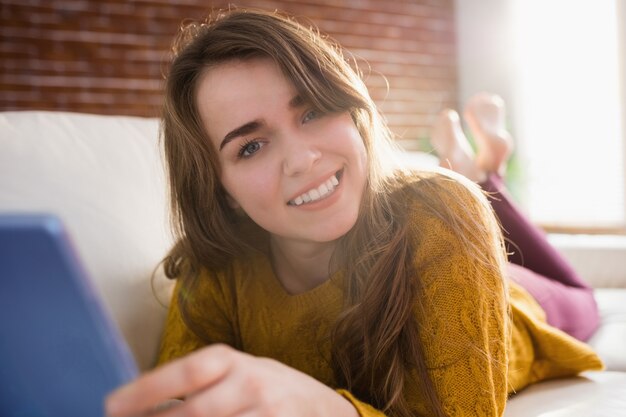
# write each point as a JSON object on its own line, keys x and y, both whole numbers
{"x": 375, "y": 343}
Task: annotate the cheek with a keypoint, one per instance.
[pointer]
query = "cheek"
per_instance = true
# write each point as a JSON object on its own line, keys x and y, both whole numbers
{"x": 353, "y": 142}
{"x": 247, "y": 188}
{"x": 356, "y": 146}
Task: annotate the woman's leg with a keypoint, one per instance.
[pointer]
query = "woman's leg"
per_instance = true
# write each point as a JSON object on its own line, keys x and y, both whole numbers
{"x": 537, "y": 266}
{"x": 570, "y": 309}
{"x": 567, "y": 300}
{"x": 527, "y": 245}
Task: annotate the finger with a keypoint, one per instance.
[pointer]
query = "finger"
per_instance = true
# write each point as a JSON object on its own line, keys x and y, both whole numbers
{"x": 225, "y": 399}
{"x": 179, "y": 378}
{"x": 167, "y": 409}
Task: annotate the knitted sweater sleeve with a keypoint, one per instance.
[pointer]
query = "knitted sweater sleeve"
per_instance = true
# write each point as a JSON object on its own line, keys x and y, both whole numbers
{"x": 463, "y": 312}
{"x": 179, "y": 339}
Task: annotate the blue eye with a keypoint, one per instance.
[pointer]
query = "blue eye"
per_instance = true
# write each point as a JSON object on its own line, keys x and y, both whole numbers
{"x": 310, "y": 115}
{"x": 249, "y": 148}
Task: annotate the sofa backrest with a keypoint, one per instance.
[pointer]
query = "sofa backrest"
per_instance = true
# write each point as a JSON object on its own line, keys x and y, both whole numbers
{"x": 103, "y": 176}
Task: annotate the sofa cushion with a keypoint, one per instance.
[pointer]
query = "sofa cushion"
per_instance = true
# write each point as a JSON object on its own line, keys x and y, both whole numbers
{"x": 600, "y": 259}
{"x": 102, "y": 175}
{"x": 610, "y": 338}
{"x": 591, "y": 394}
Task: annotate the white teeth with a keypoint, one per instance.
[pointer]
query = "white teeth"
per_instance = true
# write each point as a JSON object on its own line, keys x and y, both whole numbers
{"x": 316, "y": 193}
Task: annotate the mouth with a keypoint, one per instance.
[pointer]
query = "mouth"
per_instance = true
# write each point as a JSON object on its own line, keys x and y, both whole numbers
{"x": 326, "y": 189}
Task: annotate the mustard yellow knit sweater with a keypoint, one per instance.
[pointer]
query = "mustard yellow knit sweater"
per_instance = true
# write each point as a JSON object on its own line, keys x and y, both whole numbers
{"x": 476, "y": 353}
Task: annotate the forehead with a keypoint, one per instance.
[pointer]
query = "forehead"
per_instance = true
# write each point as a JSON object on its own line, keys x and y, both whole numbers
{"x": 236, "y": 92}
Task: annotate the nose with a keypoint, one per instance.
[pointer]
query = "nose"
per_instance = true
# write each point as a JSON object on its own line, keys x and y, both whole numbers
{"x": 300, "y": 156}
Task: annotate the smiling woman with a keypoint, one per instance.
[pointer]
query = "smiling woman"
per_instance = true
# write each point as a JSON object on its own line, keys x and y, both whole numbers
{"x": 271, "y": 158}
{"x": 312, "y": 278}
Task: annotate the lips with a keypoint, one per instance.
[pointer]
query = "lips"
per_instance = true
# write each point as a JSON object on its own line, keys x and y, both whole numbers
{"x": 314, "y": 194}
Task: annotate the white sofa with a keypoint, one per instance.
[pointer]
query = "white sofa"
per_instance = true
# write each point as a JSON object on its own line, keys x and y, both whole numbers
{"x": 104, "y": 177}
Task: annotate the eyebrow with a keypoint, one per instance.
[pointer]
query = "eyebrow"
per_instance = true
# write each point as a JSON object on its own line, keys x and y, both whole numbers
{"x": 245, "y": 129}
{"x": 255, "y": 125}
{"x": 296, "y": 102}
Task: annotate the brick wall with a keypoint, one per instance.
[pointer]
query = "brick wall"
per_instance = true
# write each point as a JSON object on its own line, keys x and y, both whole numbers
{"x": 108, "y": 56}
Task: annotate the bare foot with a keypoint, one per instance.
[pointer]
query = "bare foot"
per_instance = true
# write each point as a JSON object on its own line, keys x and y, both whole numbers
{"x": 452, "y": 146}
{"x": 485, "y": 115}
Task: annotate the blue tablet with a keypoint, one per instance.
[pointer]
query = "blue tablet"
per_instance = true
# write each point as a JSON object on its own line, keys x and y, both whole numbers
{"x": 60, "y": 352}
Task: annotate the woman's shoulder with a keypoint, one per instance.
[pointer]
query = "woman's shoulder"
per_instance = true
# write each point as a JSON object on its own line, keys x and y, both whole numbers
{"x": 450, "y": 220}
{"x": 458, "y": 259}
{"x": 443, "y": 196}
{"x": 200, "y": 283}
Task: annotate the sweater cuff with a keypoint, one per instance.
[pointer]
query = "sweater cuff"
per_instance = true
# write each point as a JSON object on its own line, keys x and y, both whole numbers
{"x": 364, "y": 409}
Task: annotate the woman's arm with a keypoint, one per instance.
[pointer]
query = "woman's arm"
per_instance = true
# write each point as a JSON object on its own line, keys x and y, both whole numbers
{"x": 177, "y": 340}
{"x": 199, "y": 316}
{"x": 219, "y": 381}
{"x": 462, "y": 310}
{"x": 463, "y": 313}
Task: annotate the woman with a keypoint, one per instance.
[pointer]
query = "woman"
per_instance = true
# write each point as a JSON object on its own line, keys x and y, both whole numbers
{"x": 311, "y": 278}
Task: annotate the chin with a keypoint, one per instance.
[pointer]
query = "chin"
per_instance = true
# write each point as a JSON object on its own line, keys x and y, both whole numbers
{"x": 335, "y": 230}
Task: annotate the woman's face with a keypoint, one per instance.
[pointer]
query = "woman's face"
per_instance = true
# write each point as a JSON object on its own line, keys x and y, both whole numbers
{"x": 298, "y": 173}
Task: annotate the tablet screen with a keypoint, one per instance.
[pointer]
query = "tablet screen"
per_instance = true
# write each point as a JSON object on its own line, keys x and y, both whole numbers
{"x": 60, "y": 352}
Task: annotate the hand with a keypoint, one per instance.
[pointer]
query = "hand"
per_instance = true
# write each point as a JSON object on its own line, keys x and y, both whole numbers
{"x": 219, "y": 381}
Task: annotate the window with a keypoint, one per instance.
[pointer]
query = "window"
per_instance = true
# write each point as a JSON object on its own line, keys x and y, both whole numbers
{"x": 559, "y": 65}
{"x": 570, "y": 111}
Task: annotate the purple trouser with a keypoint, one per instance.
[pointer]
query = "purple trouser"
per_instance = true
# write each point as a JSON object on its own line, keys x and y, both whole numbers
{"x": 537, "y": 266}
